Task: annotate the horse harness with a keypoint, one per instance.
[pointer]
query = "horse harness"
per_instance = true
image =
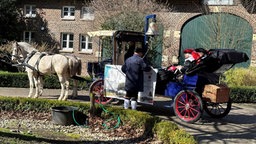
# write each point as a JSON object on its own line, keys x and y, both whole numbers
{"x": 36, "y": 66}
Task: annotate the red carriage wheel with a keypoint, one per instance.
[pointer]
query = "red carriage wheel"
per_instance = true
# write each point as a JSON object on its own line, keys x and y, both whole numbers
{"x": 188, "y": 106}
{"x": 97, "y": 89}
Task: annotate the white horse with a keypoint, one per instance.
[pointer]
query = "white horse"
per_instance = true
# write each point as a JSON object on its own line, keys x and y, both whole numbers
{"x": 38, "y": 64}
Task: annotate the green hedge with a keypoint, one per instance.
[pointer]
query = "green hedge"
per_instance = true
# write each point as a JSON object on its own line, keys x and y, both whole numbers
{"x": 243, "y": 84}
{"x": 21, "y": 80}
{"x": 165, "y": 131}
{"x": 240, "y": 77}
{"x": 13, "y": 80}
{"x": 243, "y": 94}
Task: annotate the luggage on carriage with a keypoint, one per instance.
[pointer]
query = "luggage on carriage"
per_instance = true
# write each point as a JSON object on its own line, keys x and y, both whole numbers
{"x": 216, "y": 93}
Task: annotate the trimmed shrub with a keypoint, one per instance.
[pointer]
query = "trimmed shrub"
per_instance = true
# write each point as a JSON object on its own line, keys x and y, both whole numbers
{"x": 240, "y": 77}
{"x": 170, "y": 133}
{"x": 21, "y": 80}
{"x": 13, "y": 79}
{"x": 181, "y": 137}
{"x": 38, "y": 105}
{"x": 243, "y": 94}
{"x": 51, "y": 82}
{"x": 163, "y": 129}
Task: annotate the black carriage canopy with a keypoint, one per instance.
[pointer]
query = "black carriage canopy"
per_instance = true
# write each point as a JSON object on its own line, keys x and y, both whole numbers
{"x": 217, "y": 58}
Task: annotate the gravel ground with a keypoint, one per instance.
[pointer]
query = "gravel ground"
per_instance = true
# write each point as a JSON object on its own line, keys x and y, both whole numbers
{"x": 41, "y": 126}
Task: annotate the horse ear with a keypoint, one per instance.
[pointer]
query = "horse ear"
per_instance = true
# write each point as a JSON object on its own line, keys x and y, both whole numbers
{"x": 16, "y": 43}
{"x": 13, "y": 43}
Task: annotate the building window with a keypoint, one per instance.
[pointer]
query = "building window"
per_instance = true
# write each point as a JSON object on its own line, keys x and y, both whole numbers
{"x": 67, "y": 41}
{"x": 87, "y": 13}
{"x": 218, "y": 2}
{"x": 85, "y": 43}
{"x": 68, "y": 12}
{"x": 28, "y": 36}
{"x": 30, "y": 11}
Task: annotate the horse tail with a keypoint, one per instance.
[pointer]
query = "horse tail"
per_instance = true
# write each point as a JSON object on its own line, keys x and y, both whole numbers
{"x": 71, "y": 67}
{"x": 79, "y": 66}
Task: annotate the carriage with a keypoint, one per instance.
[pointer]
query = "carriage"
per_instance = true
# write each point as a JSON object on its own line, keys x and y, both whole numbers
{"x": 188, "y": 103}
{"x": 200, "y": 88}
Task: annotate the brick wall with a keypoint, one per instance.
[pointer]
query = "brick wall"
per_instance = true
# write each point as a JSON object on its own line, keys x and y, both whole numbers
{"x": 50, "y": 12}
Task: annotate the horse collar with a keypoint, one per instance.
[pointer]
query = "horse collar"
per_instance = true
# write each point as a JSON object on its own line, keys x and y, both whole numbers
{"x": 29, "y": 56}
{"x": 38, "y": 60}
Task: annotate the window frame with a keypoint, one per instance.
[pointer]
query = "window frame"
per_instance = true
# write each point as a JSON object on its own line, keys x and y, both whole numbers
{"x": 30, "y": 14}
{"x": 219, "y": 2}
{"x": 68, "y": 41}
{"x": 87, "y": 42}
{"x": 69, "y": 15}
{"x": 87, "y": 13}
{"x": 31, "y": 36}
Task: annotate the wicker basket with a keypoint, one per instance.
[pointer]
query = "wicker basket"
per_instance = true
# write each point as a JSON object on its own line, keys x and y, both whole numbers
{"x": 216, "y": 93}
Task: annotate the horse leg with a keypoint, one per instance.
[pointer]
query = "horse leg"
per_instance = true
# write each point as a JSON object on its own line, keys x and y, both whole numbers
{"x": 62, "y": 85}
{"x": 66, "y": 90}
{"x": 40, "y": 79}
{"x": 37, "y": 85}
{"x": 74, "y": 93}
{"x": 31, "y": 84}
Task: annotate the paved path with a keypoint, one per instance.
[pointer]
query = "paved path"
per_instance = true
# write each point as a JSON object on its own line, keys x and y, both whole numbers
{"x": 238, "y": 127}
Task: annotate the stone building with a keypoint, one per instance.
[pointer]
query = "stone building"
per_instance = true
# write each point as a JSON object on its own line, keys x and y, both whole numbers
{"x": 186, "y": 23}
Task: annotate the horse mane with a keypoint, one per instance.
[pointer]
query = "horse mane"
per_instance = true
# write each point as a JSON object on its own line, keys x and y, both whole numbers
{"x": 27, "y": 46}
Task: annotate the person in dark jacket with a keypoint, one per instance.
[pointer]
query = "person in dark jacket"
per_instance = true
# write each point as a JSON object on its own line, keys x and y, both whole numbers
{"x": 134, "y": 67}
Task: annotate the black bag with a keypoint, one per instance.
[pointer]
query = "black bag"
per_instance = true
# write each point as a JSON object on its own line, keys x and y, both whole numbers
{"x": 165, "y": 75}
{"x": 163, "y": 78}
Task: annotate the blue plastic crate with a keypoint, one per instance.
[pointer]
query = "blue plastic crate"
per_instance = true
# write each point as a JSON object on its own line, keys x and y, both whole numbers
{"x": 172, "y": 89}
{"x": 190, "y": 81}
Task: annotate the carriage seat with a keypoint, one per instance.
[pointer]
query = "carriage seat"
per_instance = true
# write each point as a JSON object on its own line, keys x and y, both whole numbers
{"x": 188, "y": 83}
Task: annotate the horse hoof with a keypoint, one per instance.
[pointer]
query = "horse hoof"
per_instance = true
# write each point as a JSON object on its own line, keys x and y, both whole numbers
{"x": 72, "y": 97}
